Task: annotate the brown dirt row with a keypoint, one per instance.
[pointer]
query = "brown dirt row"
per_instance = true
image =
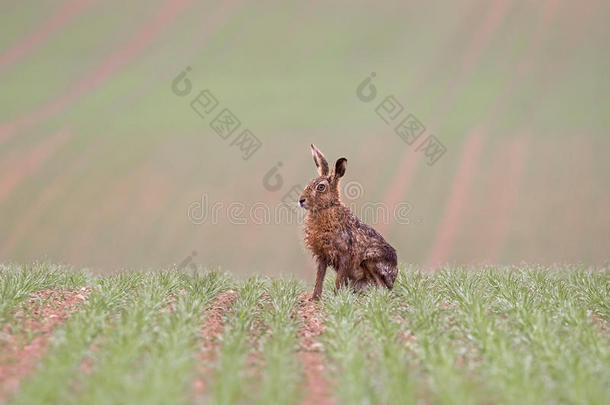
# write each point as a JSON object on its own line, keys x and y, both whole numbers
{"x": 25, "y": 341}
{"x": 211, "y": 332}
{"x": 317, "y": 388}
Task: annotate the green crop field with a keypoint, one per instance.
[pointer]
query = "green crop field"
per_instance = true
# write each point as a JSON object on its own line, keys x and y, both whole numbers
{"x": 522, "y": 335}
{"x": 100, "y": 160}
{"x": 476, "y": 134}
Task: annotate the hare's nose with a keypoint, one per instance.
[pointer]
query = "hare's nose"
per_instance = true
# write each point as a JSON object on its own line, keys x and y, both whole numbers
{"x": 302, "y": 202}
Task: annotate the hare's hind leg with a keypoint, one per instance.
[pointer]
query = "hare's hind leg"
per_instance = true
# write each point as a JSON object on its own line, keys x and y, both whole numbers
{"x": 378, "y": 279}
{"x": 383, "y": 272}
{"x": 388, "y": 272}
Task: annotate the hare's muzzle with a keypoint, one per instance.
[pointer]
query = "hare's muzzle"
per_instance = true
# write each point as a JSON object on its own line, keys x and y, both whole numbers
{"x": 302, "y": 202}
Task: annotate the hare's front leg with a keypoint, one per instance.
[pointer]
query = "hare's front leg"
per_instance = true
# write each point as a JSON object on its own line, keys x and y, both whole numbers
{"x": 317, "y": 291}
{"x": 341, "y": 275}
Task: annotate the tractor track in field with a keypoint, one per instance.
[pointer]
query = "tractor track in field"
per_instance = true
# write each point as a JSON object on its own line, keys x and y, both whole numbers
{"x": 317, "y": 388}
{"x": 43, "y": 32}
{"x": 211, "y": 332}
{"x": 23, "y": 346}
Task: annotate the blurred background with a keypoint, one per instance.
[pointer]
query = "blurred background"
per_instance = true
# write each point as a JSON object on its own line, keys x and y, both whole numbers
{"x": 105, "y": 162}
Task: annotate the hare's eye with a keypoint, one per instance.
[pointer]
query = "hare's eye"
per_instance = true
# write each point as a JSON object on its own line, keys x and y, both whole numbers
{"x": 320, "y": 187}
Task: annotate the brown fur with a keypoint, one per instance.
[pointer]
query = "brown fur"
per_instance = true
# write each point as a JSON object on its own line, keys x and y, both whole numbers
{"x": 337, "y": 238}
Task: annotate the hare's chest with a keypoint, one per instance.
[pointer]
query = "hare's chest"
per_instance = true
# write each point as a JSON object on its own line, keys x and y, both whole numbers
{"x": 330, "y": 244}
{"x": 320, "y": 243}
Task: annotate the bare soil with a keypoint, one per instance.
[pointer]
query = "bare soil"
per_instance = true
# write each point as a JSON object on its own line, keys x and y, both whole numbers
{"x": 211, "y": 332}
{"x": 26, "y": 339}
{"x": 317, "y": 388}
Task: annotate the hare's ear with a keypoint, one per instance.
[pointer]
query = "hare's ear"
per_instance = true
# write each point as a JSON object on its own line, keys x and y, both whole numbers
{"x": 340, "y": 166}
{"x": 319, "y": 160}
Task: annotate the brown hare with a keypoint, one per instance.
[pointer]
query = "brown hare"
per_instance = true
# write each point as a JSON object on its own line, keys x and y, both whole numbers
{"x": 337, "y": 238}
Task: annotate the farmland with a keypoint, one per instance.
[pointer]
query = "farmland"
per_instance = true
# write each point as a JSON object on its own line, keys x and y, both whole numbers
{"x": 157, "y": 151}
{"x": 95, "y": 146}
{"x": 472, "y": 336}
